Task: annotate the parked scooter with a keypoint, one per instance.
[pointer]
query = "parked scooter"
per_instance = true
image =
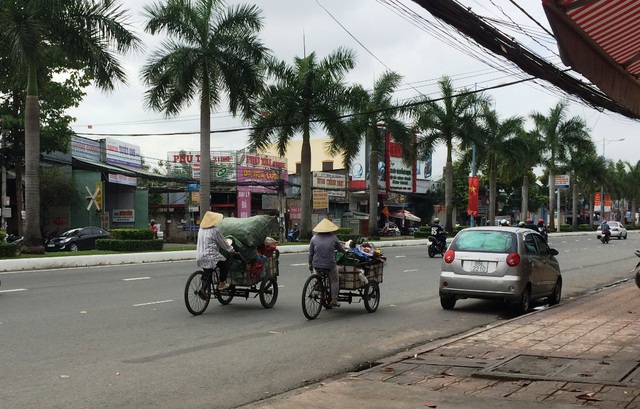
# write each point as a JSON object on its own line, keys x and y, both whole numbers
{"x": 13, "y": 239}
{"x": 436, "y": 247}
{"x": 636, "y": 270}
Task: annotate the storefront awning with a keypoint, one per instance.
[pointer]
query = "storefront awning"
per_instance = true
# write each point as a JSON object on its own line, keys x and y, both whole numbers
{"x": 601, "y": 40}
{"x": 88, "y": 164}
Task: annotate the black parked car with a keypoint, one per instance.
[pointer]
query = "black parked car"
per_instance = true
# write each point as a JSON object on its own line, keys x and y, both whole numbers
{"x": 81, "y": 238}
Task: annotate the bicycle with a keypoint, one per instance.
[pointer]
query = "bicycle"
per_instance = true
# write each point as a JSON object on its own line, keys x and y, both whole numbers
{"x": 316, "y": 292}
{"x": 201, "y": 287}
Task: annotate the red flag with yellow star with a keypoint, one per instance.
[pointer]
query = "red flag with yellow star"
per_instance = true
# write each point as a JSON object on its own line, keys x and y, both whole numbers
{"x": 474, "y": 184}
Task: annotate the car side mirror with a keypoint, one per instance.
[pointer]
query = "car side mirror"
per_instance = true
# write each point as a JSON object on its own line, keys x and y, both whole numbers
{"x": 553, "y": 252}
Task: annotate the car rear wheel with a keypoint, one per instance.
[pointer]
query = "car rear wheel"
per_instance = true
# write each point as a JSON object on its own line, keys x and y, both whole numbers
{"x": 554, "y": 298}
{"x": 447, "y": 303}
{"x": 524, "y": 303}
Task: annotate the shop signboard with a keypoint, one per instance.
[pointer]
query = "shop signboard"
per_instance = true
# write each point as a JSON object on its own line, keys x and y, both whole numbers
{"x": 85, "y": 148}
{"x": 320, "y": 200}
{"x": 122, "y": 153}
{"x": 123, "y": 216}
{"x": 333, "y": 184}
{"x": 400, "y": 175}
{"x": 223, "y": 164}
{"x": 260, "y": 180}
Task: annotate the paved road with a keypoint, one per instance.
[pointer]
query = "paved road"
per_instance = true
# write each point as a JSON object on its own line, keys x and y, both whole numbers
{"x": 121, "y": 337}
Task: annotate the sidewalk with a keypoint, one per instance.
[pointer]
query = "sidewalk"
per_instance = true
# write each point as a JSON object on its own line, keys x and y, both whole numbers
{"x": 584, "y": 352}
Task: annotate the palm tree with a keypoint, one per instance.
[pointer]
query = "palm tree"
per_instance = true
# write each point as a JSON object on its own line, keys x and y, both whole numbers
{"x": 82, "y": 31}
{"x": 374, "y": 116}
{"x": 561, "y": 136}
{"x": 579, "y": 162}
{"x": 307, "y": 94}
{"x": 445, "y": 121}
{"x": 526, "y": 153}
{"x": 493, "y": 141}
{"x": 213, "y": 52}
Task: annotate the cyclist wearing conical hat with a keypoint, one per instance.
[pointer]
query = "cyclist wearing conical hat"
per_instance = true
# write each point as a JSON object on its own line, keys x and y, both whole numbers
{"x": 322, "y": 254}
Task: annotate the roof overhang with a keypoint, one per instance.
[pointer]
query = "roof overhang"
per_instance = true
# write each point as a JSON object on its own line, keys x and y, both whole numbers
{"x": 600, "y": 39}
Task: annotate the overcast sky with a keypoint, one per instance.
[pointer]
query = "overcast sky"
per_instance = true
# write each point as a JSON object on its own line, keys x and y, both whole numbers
{"x": 385, "y": 34}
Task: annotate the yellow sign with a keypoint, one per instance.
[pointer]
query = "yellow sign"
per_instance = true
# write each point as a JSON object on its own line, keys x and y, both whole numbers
{"x": 320, "y": 199}
{"x": 195, "y": 197}
{"x": 99, "y": 195}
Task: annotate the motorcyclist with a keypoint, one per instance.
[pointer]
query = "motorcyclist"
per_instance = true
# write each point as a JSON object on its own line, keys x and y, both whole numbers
{"x": 438, "y": 232}
{"x": 542, "y": 229}
{"x": 294, "y": 233}
{"x": 606, "y": 230}
{"x": 504, "y": 223}
{"x": 529, "y": 225}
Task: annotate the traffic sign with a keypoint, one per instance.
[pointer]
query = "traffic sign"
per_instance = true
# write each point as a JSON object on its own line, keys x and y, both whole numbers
{"x": 562, "y": 181}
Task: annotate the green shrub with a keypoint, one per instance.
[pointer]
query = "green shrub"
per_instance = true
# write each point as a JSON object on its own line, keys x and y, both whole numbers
{"x": 3, "y": 234}
{"x": 585, "y": 227}
{"x": 630, "y": 226}
{"x": 9, "y": 250}
{"x": 131, "y": 234}
{"x": 456, "y": 229}
{"x": 421, "y": 234}
{"x": 565, "y": 227}
{"x": 129, "y": 245}
{"x": 424, "y": 229}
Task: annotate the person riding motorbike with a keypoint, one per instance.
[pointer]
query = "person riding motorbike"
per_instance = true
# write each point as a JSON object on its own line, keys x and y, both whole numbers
{"x": 504, "y": 223}
{"x": 542, "y": 229}
{"x": 438, "y": 232}
{"x": 606, "y": 231}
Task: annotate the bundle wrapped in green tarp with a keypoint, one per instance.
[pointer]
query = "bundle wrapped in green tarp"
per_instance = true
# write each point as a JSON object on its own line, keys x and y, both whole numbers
{"x": 248, "y": 253}
{"x": 250, "y": 231}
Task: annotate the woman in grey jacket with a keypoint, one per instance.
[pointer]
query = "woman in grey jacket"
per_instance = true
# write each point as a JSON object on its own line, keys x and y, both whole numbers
{"x": 322, "y": 254}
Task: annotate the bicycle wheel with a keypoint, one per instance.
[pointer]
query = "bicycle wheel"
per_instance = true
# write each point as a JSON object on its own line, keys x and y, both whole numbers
{"x": 225, "y": 296}
{"x": 197, "y": 293}
{"x": 312, "y": 292}
{"x": 268, "y": 292}
{"x": 326, "y": 292}
{"x": 371, "y": 296}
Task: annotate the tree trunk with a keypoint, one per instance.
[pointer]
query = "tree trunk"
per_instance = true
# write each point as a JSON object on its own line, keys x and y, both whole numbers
{"x": 492, "y": 196}
{"x": 205, "y": 156}
{"x": 633, "y": 211}
{"x": 574, "y": 203}
{"x": 591, "y": 209}
{"x": 525, "y": 196}
{"x": 552, "y": 198}
{"x": 19, "y": 199}
{"x": 373, "y": 193}
{"x": 305, "y": 184}
{"x": 33, "y": 238}
{"x": 448, "y": 197}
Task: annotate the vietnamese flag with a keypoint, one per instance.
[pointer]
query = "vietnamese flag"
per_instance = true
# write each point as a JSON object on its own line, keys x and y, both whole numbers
{"x": 474, "y": 183}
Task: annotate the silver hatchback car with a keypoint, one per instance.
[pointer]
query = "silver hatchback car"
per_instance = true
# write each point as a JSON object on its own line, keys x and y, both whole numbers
{"x": 512, "y": 264}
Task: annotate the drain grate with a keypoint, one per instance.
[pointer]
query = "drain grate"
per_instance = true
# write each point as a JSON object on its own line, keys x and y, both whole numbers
{"x": 523, "y": 366}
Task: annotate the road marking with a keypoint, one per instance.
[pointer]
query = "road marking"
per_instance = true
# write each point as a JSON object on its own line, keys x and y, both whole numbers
{"x": 410, "y": 271}
{"x": 136, "y": 278}
{"x": 152, "y": 303}
{"x": 13, "y": 291}
{"x": 401, "y": 256}
{"x": 299, "y": 264}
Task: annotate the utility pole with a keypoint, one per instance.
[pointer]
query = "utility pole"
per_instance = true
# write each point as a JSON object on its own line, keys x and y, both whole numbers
{"x": 3, "y": 135}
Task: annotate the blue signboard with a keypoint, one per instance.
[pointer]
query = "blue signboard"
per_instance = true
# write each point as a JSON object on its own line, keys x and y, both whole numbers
{"x": 193, "y": 187}
{"x": 195, "y": 227}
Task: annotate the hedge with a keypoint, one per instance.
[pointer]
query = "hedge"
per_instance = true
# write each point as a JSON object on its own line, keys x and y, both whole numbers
{"x": 565, "y": 227}
{"x": 585, "y": 227}
{"x": 132, "y": 234}
{"x": 9, "y": 250}
{"x": 129, "y": 245}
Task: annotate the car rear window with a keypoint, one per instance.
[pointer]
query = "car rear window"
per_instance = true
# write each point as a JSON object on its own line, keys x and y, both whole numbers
{"x": 485, "y": 241}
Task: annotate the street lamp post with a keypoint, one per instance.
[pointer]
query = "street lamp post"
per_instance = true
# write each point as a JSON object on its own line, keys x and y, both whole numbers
{"x": 604, "y": 141}
{"x": 3, "y": 194}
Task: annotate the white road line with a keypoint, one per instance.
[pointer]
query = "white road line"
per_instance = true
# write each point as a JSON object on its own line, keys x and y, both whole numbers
{"x": 136, "y": 278}
{"x": 410, "y": 271}
{"x": 13, "y": 291}
{"x": 152, "y": 303}
{"x": 298, "y": 265}
{"x": 401, "y": 256}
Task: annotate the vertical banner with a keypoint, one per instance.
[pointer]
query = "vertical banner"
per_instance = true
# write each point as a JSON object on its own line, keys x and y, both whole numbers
{"x": 474, "y": 184}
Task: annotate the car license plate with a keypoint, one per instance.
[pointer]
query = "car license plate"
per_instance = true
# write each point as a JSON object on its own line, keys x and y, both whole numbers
{"x": 480, "y": 267}
{"x": 51, "y": 245}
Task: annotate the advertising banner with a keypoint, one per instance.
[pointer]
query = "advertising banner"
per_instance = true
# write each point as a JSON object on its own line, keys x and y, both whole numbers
{"x": 223, "y": 164}
{"x": 85, "y": 148}
{"x": 260, "y": 180}
{"x": 474, "y": 185}
{"x": 320, "y": 200}
{"x": 400, "y": 175}
{"x": 123, "y": 215}
{"x": 122, "y": 153}
{"x": 329, "y": 182}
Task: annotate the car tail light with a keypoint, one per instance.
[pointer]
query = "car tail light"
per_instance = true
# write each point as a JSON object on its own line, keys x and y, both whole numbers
{"x": 449, "y": 256}
{"x": 513, "y": 259}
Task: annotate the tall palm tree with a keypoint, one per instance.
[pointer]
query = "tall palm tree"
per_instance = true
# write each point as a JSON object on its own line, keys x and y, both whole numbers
{"x": 305, "y": 95}
{"x": 633, "y": 184}
{"x": 446, "y": 121}
{"x": 493, "y": 140}
{"x": 83, "y": 32}
{"x": 213, "y": 54}
{"x": 526, "y": 153}
{"x": 561, "y": 135}
{"x": 579, "y": 162}
{"x": 374, "y": 117}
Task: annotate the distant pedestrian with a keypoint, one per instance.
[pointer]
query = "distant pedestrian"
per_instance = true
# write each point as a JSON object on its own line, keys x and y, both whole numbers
{"x": 154, "y": 227}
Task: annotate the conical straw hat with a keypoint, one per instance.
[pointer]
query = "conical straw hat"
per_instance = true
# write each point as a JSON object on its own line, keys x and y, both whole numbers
{"x": 210, "y": 219}
{"x": 325, "y": 226}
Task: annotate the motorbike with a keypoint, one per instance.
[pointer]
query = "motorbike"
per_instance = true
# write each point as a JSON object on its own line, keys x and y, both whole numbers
{"x": 637, "y": 270}
{"x": 13, "y": 239}
{"x": 605, "y": 237}
{"x": 436, "y": 247}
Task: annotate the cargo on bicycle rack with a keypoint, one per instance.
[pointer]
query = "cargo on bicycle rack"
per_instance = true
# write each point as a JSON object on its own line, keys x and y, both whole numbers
{"x": 360, "y": 272}
{"x": 254, "y": 268}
